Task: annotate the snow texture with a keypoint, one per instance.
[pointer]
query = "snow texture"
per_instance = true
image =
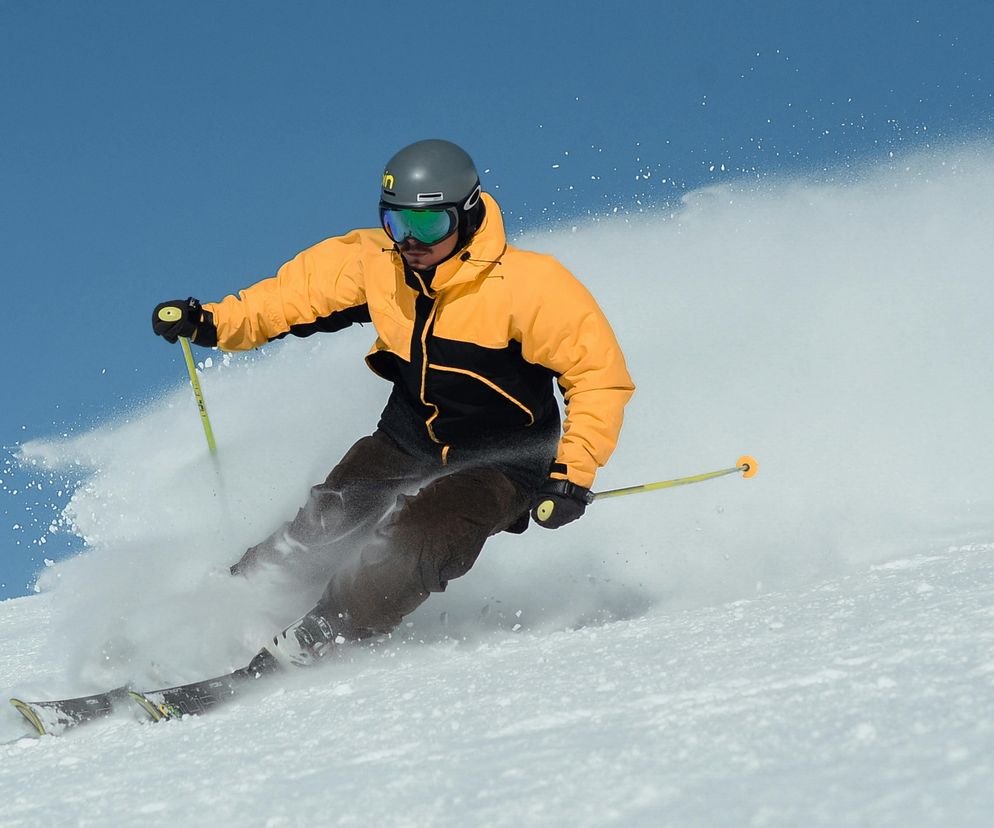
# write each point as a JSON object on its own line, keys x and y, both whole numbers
{"x": 811, "y": 647}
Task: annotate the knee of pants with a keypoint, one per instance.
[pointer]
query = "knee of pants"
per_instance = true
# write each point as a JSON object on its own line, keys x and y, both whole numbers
{"x": 444, "y": 546}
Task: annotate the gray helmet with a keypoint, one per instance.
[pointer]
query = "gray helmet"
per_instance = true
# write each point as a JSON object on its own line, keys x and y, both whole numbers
{"x": 434, "y": 175}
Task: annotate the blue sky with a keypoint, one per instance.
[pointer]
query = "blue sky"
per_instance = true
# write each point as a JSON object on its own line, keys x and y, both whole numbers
{"x": 152, "y": 151}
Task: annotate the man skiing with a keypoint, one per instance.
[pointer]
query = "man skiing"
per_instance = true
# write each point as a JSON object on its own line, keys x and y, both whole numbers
{"x": 473, "y": 333}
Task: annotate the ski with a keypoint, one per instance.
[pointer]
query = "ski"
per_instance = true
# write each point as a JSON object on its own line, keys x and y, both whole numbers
{"x": 202, "y": 696}
{"x": 56, "y": 717}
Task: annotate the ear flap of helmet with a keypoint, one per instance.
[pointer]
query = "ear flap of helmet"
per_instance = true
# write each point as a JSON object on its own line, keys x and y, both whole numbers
{"x": 471, "y": 219}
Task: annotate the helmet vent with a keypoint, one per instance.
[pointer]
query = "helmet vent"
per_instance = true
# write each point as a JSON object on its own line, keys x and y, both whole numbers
{"x": 430, "y": 197}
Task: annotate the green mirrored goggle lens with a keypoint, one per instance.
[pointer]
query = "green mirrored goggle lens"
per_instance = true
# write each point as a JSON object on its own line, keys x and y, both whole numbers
{"x": 427, "y": 226}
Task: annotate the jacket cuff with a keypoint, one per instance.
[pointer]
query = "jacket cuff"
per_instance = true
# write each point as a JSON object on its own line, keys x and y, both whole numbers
{"x": 560, "y": 471}
{"x": 206, "y": 333}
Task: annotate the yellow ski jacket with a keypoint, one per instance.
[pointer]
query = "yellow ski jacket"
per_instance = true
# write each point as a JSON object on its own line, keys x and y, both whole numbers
{"x": 472, "y": 348}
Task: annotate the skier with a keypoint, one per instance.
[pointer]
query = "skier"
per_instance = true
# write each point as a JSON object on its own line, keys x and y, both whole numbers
{"x": 472, "y": 333}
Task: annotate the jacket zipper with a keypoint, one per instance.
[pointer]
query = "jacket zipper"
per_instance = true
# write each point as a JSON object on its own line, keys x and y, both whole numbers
{"x": 429, "y": 320}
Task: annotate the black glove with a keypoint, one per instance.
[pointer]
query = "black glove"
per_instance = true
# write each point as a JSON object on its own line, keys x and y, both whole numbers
{"x": 559, "y": 502}
{"x": 186, "y": 318}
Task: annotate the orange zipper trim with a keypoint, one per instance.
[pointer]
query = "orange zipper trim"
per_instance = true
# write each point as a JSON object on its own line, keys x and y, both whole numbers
{"x": 489, "y": 384}
{"x": 424, "y": 369}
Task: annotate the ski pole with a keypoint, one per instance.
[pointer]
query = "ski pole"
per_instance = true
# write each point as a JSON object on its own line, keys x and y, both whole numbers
{"x": 195, "y": 382}
{"x": 746, "y": 464}
{"x": 174, "y": 314}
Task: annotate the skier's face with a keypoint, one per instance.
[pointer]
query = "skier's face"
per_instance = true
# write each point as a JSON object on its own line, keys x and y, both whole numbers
{"x": 421, "y": 256}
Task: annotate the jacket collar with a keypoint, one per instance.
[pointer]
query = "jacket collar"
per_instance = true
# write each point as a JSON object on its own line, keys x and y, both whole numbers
{"x": 477, "y": 258}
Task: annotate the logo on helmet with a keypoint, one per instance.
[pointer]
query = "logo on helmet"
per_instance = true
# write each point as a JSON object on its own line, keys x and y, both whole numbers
{"x": 387, "y": 181}
{"x": 474, "y": 198}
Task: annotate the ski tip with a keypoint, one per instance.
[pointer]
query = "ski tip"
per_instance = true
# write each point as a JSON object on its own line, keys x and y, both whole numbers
{"x": 156, "y": 712}
{"x": 147, "y": 706}
{"x": 748, "y": 465}
{"x": 25, "y": 709}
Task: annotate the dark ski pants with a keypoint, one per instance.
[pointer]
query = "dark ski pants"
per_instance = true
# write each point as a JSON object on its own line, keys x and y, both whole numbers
{"x": 387, "y": 529}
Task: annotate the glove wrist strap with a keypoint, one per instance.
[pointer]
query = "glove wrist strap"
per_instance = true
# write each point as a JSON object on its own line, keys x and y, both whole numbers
{"x": 568, "y": 489}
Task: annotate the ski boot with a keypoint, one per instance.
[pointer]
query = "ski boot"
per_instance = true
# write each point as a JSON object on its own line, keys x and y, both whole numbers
{"x": 303, "y": 642}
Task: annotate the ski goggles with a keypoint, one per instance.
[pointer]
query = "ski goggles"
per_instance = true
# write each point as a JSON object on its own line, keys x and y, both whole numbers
{"x": 427, "y": 226}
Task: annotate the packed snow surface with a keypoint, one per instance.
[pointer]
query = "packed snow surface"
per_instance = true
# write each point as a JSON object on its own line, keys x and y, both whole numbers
{"x": 811, "y": 647}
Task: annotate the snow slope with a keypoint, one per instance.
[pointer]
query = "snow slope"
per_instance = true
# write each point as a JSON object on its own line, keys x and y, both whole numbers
{"x": 809, "y": 647}
{"x": 863, "y": 701}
